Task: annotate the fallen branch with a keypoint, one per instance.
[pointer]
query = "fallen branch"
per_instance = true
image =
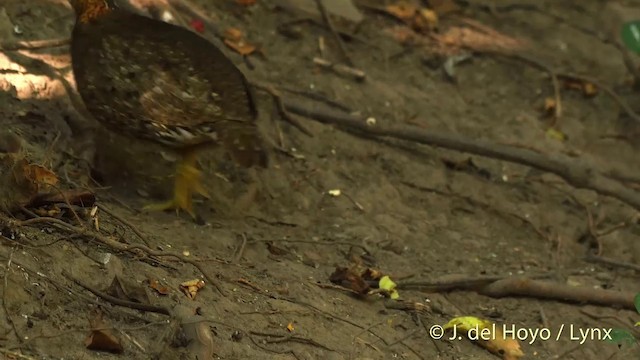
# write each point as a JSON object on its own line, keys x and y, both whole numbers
{"x": 556, "y": 291}
{"x": 499, "y": 287}
{"x": 116, "y": 301}
{"x": 574, "y": 171}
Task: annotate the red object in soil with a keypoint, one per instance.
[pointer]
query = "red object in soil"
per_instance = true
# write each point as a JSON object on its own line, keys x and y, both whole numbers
{"x": 197, "y": 25}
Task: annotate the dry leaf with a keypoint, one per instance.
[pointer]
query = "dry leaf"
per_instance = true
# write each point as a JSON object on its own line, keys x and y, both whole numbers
{"x": 488, "y": 334}
{"x": 101, "y": 338}
{"x": 501, "y": 345}
{"x": 556, "y": 134}
{"x": 549, "y": 106}
{"x": 403, "y": 35}
{"x": 241, "y": 47}
{"x": 290, "y": 327}
{"x": 245, "y": 2}
{"x": 40, "y": 176}
{"x": 191, "y": 287}
{"x": 402, "y": 10}
{"x": 348, "y": 278}
{"x": 233, "y": 34}
{"x": 425, "y": 20}
{"x": 158, "y": 287}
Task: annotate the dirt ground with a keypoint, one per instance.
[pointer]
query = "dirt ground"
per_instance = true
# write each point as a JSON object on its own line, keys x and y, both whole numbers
{"x": 414, "y": 212}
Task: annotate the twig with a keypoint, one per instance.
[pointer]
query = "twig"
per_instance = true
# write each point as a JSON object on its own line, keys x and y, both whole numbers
{"x": 334, "y": 33}
{"x": 571, "y": 76}
{"x": 241, "y": 248}
{"x": 126, "y": 222}
{"x": 15, "y": 355}
{"x": 277, "y": 338}
{"x": 114, "y": 300}
{"x": 4, "y": 297}
{"x": 281, "y": 107}
{"x": 341, "y": 69}
{"x": 330, "y": 243}
{"x": 611, "y": 262}
{"x": 33, "y": 45}
{"x": 119, "y": 246}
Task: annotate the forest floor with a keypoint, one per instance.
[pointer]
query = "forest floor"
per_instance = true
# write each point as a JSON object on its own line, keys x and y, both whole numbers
{"x": 502, "y": 72}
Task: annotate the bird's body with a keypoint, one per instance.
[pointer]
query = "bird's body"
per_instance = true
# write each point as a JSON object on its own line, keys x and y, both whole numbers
{"x": 160, "y": 82}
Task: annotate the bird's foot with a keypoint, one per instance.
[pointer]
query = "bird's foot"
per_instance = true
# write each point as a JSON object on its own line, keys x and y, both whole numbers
{"x": 187, "y": 181}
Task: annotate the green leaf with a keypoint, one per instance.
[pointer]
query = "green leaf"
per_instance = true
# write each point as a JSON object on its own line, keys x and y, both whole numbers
{"x": 621, "y": 336}
{"x": 636, "y": 302}
{"x": 631, "y": 35}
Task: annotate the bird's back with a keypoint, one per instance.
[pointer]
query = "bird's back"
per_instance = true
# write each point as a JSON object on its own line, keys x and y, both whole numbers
{"x": 158, "y": 81}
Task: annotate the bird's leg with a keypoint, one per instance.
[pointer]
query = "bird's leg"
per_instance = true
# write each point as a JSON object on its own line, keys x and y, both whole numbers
{"x": 187, "y": 181}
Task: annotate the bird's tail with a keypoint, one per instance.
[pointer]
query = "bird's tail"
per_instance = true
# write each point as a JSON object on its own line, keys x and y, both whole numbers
{"x": 245, "y": 145}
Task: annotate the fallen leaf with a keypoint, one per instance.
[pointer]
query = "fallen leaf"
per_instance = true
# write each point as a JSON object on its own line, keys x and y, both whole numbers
{"x": 425, "y": 20}
{"x": 496, "y": 342}
{"x": 241, "y": 47}
{"x": 245, "y": 2}
{"x": 40, "y": 176}
{"x": 191, "y": 287}
{"x": 233, "y": 34}
{"x": 101, "y": 338}
{"x": 348, "y": 278}
{"x": 403, "y": 35}
{"x": 549, "y": 107}
{"x": 402, "y": 10}
{"x": 158, "y": 287}
{"x": 290, "y": 327}
{"x": 555, "y": 134}
{"x": 387, "y": 284}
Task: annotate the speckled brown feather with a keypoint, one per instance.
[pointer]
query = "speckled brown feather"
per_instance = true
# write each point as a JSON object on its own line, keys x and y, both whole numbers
{"x": 157, "y": 81}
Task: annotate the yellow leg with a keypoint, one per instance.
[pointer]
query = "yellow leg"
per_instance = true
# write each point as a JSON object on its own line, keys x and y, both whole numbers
{"x": 187, "y": 181}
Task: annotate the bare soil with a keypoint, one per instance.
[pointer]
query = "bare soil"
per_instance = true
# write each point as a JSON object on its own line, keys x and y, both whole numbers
{"x": 271, "y": 239}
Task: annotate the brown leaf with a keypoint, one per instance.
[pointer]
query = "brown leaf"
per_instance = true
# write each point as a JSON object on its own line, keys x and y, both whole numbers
{"x": 158, "y": 287}
{"x": 501, "y": 345}
{"x": 403, "y": 35}
{"x": 241, "y": 47}
{"x": 348, "y": 278}
{"x": 245, "y": 2}
{"x": 276, "y": 250}
{"x": 233, "y": 34}
{"x": 191, "y": 287}
{"x": 425, "y": 20}
{"x": 549, "y": 107}
{"x": 101, "y": 338}
{"x": 402, "y": 10}
{"x": 40, "y": 176}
